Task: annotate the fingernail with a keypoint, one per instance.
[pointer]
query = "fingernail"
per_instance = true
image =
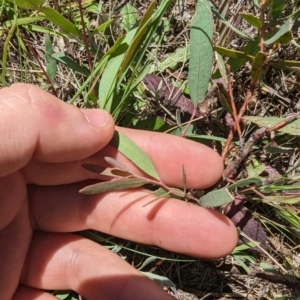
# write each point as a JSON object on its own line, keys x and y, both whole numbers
{"x": 96, "y": 117}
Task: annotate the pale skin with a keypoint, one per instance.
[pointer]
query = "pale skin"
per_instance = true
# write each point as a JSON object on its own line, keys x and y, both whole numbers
{"x": 43, "y": 144}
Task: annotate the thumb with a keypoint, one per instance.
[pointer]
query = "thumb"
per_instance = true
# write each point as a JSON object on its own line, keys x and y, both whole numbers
{"x": 35, "y": 124}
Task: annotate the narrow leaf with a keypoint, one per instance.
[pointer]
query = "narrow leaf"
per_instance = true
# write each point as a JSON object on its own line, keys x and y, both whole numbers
{"x": 70, "y": 63}
{"x": 290, "y": 216}
{"x": 228, "y": 24}
{"x": 241, "y": 263}
{"x": 134, "y": 153}
{"x": 286, "y": 63}
{"x": 233, "y": 53}
{"x": 171, "y": 60}
{"x": 258, "y": 66}
{"x": 292, "y": 128}
{"x": 59, "y": 20}
{"x": 201, "y": 52}
{"x": 117, "y": 164}
{"x": 281, "y": 199}
{"x": 129, "y": 17}
{"x": 161, "y": 280}
{"x": 113, "y": 185}
{"x": 107, "y": 86}
{"x": 51, "y": 64}
{"x": 276, "y": 8}
{"x": 111, "y": 172}
{"x": 27, "y": 4}
{"x": 132, "y": 49}
{"x": 284, "y": 29}
{"x": 147, "y": 262}
{"x": 216, "y": 198}
{"x": 245, "y": 182}
{"x": 251, "y": 19}
{"x": 22, "y": 21}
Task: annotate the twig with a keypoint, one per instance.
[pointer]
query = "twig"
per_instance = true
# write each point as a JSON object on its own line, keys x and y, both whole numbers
{"x": 263, "y": 27}
{"x": 284, "y": 122}
{"x": 243, "y": 151}
{"x": 234, "y": 111}
{"x": 228, "y": 143}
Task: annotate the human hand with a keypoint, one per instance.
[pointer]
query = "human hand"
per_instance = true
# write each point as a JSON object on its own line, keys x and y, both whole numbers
{"x": 43, "y": 144}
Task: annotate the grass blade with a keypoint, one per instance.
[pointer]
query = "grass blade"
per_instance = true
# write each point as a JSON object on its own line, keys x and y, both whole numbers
{"x": 59, "y": 20}
{"x": 51, "y": 64}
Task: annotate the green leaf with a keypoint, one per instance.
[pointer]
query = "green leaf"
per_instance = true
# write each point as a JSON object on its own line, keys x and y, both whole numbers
{"x": 113, "y": 185}
{"x": 292, "y": 128}
{"x": 251, "y": 19}
{"x": 222, "y": 67}
{"x": 51, "y": 65}
{"x": 22, "y": 21}
{"x": 107, "y": 86}
{"x": 216, "y": 198}
{"x": 129, "y": 17}
{"x": 59, "y": 20}
{"x": 197, "y": 137}
{"x": 147, "y": 262}
{"x": 181, "y": 55}
{"x": 245, "y": 182}
{"x": 258, "y": 66}
{"x": 70, "y": 63}
{"x": 276, "y": 8}
{"x": 136, "y": 62}
{"x": 281, "y": 199}
{"x": 161, "y": 280}
{"x": 283, "y": 30}
{"x": 102, "y": 27}
{"x": 241, "y": 263}
{"x": 286, "y": 63}
{"x": 201, "y": 51}
{"x": 243, "y": 247}
{"x": 152, "y": 123}
{"x": 268, "y": 268}
{"x": 228, "y": 24}
{"x": 27, "y": 4}
{"x": 233, "y": 53}
{"x": 139, "y": 35}
{"x": 66, "y": 295}
{"x": 236, "y": 61}
{"x": 98, "y": 68}
{"x": 134, "y": 153}
{"x": 289, "y": 216}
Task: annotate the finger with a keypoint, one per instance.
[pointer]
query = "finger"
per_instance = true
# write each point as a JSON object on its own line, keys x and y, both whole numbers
{"x": 169, "y": 154}
{"x": 27, "y": 293}
{"x": 171, "y": 224}
{"x": 14, "y": 244}
{"x": 67, "y": 261}
{"x": 35, "y": 124}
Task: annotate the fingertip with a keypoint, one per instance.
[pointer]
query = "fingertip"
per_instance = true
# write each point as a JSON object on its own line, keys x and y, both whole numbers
{"x": 222, "y": 235}
{"x": 194, "y": 230}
